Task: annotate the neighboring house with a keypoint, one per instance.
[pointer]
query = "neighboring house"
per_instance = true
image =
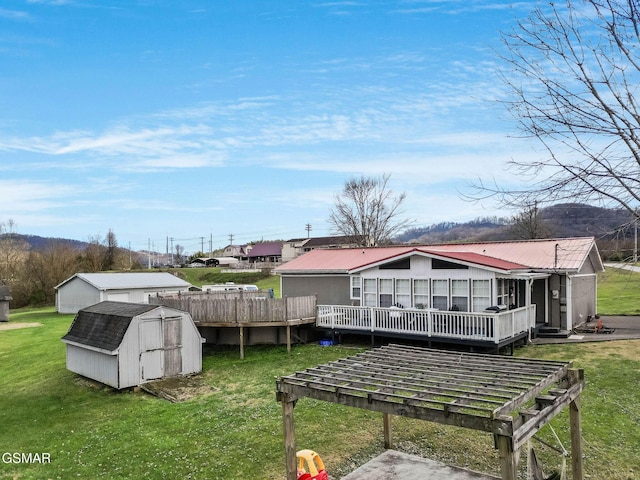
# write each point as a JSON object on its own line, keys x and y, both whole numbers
{"x": 297, "y": 246}
{"x": 240, "y": 252}
{"x": 266, "y": 252}
{"x": 128, "y": 344}
{"x": 558, "y": 276}
{"x": 84, "y": 289}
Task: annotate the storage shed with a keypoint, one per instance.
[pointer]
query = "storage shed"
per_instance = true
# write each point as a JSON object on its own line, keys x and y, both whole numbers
{"x": 128, "y": 344}
{"x": 5, "y": 298}
{"x": 84, "y": 289}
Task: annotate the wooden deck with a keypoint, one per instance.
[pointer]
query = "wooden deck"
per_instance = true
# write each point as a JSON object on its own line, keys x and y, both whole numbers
{"x": 241, "y": 311}
{"x": 483, "y": 329}
{"x": 511, "y": 398}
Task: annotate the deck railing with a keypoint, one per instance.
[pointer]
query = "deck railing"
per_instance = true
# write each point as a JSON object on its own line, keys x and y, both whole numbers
{"x": 240, "y": 309}
{"x": 483, "y": 326}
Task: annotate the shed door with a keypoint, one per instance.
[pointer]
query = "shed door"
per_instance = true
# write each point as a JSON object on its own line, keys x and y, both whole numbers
{"x": 151, "y": 357}
{"x": 172, "y": 330}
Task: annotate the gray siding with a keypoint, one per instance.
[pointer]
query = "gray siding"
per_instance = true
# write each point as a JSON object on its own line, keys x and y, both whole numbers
{"x": 95, "y": 365}
{"x": 583, "y": 297}
{"x": 329, "y": 289}
{"x": 76, "y": 295}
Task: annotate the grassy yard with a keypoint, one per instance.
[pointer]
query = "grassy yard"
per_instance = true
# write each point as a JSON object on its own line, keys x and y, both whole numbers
{"x": 618, "y": 292}
{"x": 233, "y": 428}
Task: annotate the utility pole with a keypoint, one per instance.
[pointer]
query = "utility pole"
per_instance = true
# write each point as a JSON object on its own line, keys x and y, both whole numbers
{"x": 308, "y": 229}
{"x": 202, "y": 245}
{"x": 635, "y": 241}
{"x": 231, "y": 239}
{"x": 172, "y": 263}
{"x": 149, "y": 254}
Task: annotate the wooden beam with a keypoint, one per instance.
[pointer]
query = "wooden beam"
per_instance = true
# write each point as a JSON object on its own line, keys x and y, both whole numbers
{"x": 386, "y": 422}
{"x": 508, "y": 459}
{"x": 576, "y": 376}
{"x": 288, "y": 338}
{"x": 241, "y": 343}
{"x": 289, "y": 436}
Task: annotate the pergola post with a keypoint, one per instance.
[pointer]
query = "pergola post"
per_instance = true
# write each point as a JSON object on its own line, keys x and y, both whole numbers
{"x": 288, "y": 404}
{"x": 386, "y": 422}
{"x": 576, "y": 376}
{"x": 508, "y": 458}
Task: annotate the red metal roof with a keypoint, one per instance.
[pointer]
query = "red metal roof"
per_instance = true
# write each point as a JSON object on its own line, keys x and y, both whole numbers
{"x": 556, "y": 254}
{"x": 549, "y": 254}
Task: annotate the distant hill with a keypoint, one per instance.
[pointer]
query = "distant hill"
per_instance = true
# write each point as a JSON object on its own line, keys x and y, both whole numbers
{"x": 563, "y": 221}
{"x": 41, "y": 243}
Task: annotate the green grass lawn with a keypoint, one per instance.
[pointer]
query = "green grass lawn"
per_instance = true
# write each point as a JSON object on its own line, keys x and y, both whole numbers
{"x": 618, "y": 292}
{"x": 233, "y": 429}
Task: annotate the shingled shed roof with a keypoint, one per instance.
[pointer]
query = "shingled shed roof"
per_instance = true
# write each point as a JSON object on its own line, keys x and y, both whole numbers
{"x": 104, "y": 325}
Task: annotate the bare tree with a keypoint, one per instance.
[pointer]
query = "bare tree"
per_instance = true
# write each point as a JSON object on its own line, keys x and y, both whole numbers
{"x": 179, "y": 252}
{"x": 573, "y": 72}
{"x": 367, "y": 211}
{"x": 110, "y": 252}
{"x": 47, "y": 268}
{"x": 94, "y": 255}
{"x": 13, "y": 253}
{"x": 528, "y": 224}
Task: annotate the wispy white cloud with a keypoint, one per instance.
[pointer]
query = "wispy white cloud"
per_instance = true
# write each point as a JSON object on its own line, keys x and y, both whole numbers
{"x": 14, "y": 14}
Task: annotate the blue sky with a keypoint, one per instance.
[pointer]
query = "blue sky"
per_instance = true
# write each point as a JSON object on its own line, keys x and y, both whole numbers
{"x": 193, "y": 118}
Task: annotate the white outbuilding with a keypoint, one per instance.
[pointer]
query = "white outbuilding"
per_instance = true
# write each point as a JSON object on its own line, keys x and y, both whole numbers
{"x": 128, "y": 344}
{"x": 84, "y": 289}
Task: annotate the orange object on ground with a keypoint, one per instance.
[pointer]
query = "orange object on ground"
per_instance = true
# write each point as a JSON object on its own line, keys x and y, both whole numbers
{"x": 310, "y": 466}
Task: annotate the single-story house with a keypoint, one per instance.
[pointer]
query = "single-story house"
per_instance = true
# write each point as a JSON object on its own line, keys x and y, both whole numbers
{"x": 84, "y": 289}
{"x": 265, "y": 252}
{"x": 128, "y": 344}
{"x": 559, "y": 276}
{"x": 297, "y": 246}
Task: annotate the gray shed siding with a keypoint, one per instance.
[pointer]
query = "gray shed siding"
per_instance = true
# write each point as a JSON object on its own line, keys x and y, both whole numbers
{"x": 77, "y": 295}
{"x": 96, "y": 365}
{"x": 329, "y": 289}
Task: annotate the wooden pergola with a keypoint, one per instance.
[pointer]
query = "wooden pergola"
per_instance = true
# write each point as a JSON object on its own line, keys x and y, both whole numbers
{"x": 511, "y": 398}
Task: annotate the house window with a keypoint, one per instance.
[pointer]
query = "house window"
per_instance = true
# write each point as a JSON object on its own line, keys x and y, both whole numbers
{"x": 386, "y": 292}
{"x": 403, "y": 264}
{"x": 505, "y": 290}
{"x": 355, "y": 287}
{"x": 370, "y": 292}
{"x": 440, "y": 294}
{"x": 421, "y": 293}
{"x": 403, "y": 292}
{"x": 460, "y": 295}
{"x": 481, "y": 294}
{"x": 437, "y": 264}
